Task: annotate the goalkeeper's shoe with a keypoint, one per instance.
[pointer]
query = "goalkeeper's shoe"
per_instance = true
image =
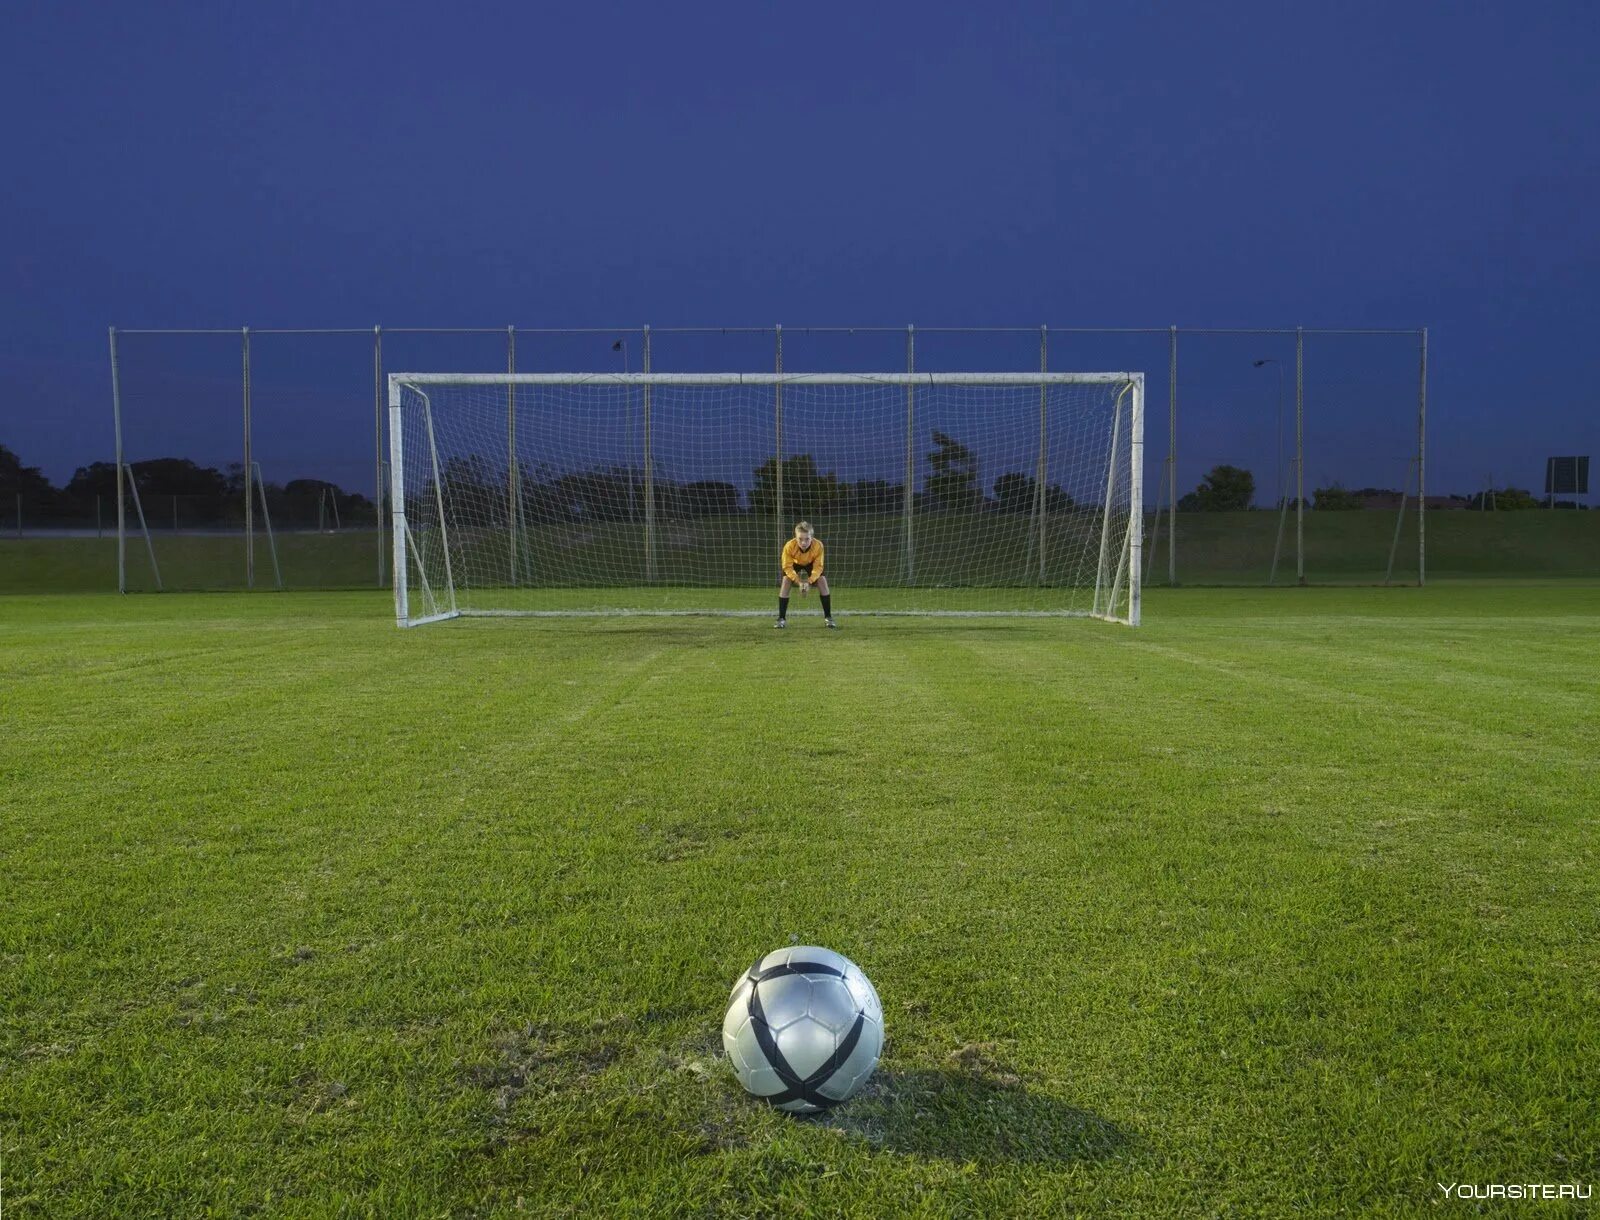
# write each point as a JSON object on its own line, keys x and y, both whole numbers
{"x": 782, "y": 622}
{"x": 830, "y": 623}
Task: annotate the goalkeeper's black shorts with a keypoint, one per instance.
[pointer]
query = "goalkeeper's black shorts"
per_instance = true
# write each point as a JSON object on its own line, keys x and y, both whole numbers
{"x": 803, "y": 571}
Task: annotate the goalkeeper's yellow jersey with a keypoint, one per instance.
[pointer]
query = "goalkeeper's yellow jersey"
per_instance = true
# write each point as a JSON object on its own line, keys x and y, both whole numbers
{"x": 794, "y": 557}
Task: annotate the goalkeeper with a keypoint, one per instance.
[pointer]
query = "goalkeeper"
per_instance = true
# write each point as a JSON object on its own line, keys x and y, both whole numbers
{"x": 802, "y": 566}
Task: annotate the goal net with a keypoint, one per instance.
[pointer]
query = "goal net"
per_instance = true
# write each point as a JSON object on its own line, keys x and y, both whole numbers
{"x": 604, "y": 493}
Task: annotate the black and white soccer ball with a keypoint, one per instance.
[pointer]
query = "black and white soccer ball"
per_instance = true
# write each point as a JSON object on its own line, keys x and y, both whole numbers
{"x": 804, "y": 1029}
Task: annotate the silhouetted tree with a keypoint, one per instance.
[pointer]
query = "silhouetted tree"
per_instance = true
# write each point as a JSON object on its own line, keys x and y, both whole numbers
{"x": 95, "y": 479}
{"x": 172, "y": 476}
{"x": 954, "y": 481}
{"x": 1224, "y": 489}
{"x": 708, "y": 499}
{"x": 1514, "y": 499}
{"x": 616, "y": 494}
{"x": 17, "y": 479}
{"x": 1016, "y": 493}
{"x": 807, "y": 492}
{"x": 877, "y": 496}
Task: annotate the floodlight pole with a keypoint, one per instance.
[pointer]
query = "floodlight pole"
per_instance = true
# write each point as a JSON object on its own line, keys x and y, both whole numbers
{"x": 1172, "y": 456}
{"x": 1300, "y": 452}
{"x": 249, "y": 465}
{"x": 513, "y": 488}
{"x": 649, "y": 478}
{"x": 777, "y": 427}
{"x": 911, "y": 468}
{"x": 1038, "y": 487}
{"x": 377, "y": 439}
{"x": 1422, "y": 462}
{"x": 116, "y": 420}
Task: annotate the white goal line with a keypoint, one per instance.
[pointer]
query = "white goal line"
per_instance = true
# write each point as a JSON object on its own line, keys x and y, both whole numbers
{"x": 622, "y": 612}
{"x": 763, "y": 379}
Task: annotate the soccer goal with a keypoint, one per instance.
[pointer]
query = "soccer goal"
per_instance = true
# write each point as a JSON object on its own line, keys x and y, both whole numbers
{"x": 673, "y": 493}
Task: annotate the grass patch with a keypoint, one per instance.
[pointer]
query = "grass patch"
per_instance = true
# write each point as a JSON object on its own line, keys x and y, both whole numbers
{"x": 1284, "y": 902}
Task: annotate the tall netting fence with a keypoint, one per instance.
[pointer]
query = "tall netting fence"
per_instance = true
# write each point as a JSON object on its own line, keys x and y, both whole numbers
{"x": 1297, "y": 458}
{"x": 258, "y": 459}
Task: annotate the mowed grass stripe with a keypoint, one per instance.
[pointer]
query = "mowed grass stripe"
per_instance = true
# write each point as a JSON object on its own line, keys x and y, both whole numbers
{"x": 1249, "y": 910}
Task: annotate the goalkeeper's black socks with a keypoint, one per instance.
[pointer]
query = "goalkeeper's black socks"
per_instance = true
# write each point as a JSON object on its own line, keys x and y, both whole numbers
{"x": 783, "y": 608}
{"x": 827, "y": 605}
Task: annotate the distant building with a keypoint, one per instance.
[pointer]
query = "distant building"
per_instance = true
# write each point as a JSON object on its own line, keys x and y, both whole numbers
{"x": 1390, "y": 500}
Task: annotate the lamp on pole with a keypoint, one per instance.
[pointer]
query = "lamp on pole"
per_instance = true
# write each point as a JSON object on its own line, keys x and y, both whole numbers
{"x": 1283, "y": 498}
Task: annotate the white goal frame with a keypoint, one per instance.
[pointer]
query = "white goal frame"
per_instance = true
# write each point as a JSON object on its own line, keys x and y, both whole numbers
{"x": 1128, "y": 569}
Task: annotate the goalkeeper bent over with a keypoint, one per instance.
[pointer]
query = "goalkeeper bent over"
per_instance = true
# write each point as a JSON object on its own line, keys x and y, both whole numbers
{"x": 801, "y": 563}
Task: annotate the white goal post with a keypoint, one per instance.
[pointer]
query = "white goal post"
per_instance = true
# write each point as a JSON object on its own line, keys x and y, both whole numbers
{"x": 1003, "y": 494}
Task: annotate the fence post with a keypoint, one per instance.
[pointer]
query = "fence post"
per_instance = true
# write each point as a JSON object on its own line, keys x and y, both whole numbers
{"x": 1038, "y": 489}
{"x": 1422, "y": 462}
{"x": 116, "y": 418}
{"x": 649, "y": 478}
{"x": 911, "y": 468}
{"x": 777, "y": 413}
{"x": 1300, "y": 451}
{"x": 1172, "y": 457}
{"x": 513, "y": 487}
{"x": 377, "y": 441}
{"x": 249, "y": 463}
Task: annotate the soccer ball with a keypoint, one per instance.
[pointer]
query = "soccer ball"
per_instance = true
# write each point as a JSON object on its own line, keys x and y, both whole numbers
{"x": 804, "y": 1029}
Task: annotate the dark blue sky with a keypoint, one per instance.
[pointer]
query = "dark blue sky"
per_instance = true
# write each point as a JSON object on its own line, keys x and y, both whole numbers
{"x": 597, "y": 165}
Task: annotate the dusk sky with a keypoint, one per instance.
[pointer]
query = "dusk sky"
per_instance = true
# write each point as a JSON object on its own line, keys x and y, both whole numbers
{"x": 605, "y": 165}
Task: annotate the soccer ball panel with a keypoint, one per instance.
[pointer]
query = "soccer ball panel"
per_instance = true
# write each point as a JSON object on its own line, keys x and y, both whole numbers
{"x": 816, "y": 955}
{"x": 738, "y": 1013}
{"x": 833, "y": 1005}
{"x": 865, "y": 996}
{"x": 778, "y": 957}
{"x": 745, "y": 1050}
{"x": 807, "y": 1045}
{"x": 860, "y": 1064}
{"x": 785, "y": 999}
{"x": 763, "y": 1082}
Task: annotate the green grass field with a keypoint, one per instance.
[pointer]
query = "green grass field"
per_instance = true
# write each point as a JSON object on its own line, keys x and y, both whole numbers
{"x": 1287, "y": 902}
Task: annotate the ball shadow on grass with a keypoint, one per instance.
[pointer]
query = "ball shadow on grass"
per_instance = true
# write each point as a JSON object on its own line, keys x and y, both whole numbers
{"x": 957, "y": 1115}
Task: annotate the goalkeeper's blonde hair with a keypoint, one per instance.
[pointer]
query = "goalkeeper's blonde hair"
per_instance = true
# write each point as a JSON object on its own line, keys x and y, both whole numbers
{"x": 802, "y": 527}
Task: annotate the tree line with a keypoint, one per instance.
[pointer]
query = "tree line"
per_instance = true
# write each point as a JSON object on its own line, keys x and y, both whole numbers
{"x": 805, "y": 490}
{"x": 209, "y": 494}
{"x": 617, "y": 493}
{"x": 1227, "y": 489}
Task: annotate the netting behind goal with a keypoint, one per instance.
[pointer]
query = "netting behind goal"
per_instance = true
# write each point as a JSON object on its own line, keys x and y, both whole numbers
{"x": 952, "y": 493}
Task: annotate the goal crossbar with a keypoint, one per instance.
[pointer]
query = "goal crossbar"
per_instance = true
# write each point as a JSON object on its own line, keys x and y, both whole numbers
{"x": 760, "y": 379}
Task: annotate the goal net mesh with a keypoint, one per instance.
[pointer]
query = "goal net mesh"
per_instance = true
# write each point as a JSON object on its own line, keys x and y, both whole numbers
{"x": 615, "y": 493}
